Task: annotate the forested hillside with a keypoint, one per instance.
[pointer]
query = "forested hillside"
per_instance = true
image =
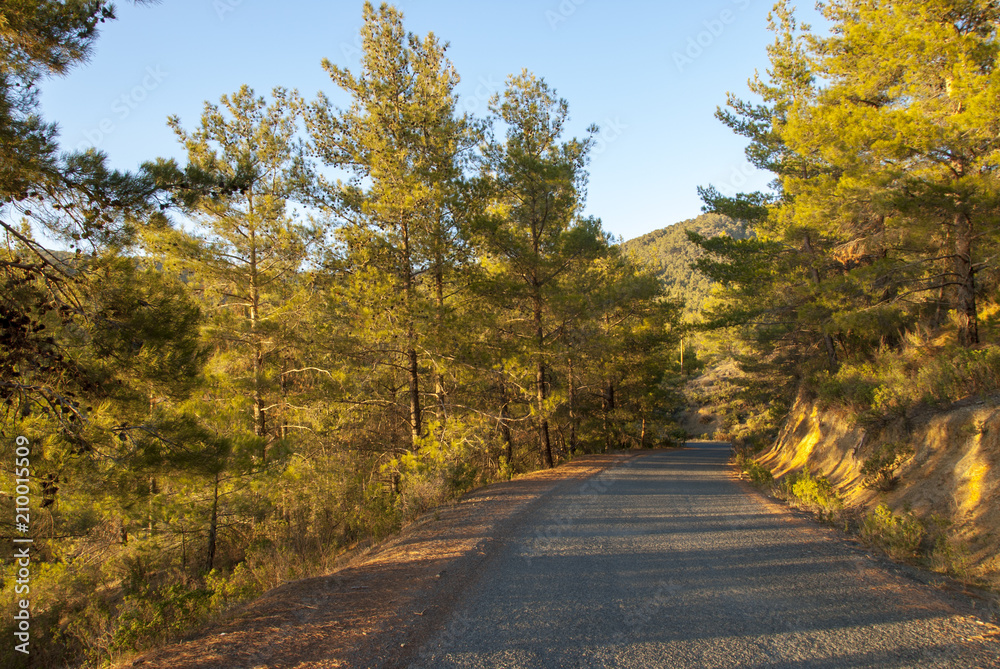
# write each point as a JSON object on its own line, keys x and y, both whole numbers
{"x": 671, "y": 254}
{"x": 243, "y": 364}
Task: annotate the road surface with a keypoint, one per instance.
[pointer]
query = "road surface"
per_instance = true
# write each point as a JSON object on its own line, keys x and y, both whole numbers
{"x": 668, "y": 561}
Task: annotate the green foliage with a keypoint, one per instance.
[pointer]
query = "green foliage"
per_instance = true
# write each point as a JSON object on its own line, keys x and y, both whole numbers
{"x": 755, "y": 472}
{"x": 898, "y": 535}
{"x": 753, "y": 403}
{"x": 533, "y": 232}
{"x": 879, "y": 469}
{"x": 220, "y": 404}
{"x": 814, "y": 492}
{"x": 441, "y": 467}
{"x": 924, "y": 370}
{"x": 872, "y": 273}
{"x": 151, "y": 617}
{"x": 949, "y": 554}
{"x": 229, "y": 589}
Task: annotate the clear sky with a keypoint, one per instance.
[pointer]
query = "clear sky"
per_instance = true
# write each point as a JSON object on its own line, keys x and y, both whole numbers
{"x": 649, "y": 73}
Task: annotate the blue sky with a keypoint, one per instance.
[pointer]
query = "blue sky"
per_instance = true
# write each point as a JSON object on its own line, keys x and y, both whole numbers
{"x": 649, "y": 73}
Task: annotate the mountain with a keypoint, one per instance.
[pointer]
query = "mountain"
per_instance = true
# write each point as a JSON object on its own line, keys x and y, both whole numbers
{"x": 670, "y": 254}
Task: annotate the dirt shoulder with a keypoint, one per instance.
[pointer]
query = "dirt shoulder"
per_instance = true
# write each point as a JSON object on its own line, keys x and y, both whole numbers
{"x": 379, "y": 602}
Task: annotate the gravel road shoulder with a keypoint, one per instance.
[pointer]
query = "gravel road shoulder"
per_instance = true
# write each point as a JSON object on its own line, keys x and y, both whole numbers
{"x": 393, "y": 596}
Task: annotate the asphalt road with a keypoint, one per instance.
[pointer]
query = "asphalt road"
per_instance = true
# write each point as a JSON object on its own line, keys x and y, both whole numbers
{"x": 667, "y": 561}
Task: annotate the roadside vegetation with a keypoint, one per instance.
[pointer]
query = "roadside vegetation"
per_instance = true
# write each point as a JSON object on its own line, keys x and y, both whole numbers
{"x": 903, "y": 535}
{"x": 871, "y": 276}
{"x": 869, "y": 281}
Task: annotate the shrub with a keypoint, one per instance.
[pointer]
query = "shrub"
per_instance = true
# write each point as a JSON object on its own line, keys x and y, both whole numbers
{"x": 898, "y": 535}
{"x": 758, "y": 474}
{"x": 441, "y": 467}
{"x": 924, "y": 370}
{"x": 146, "y": 619}
{"x": 949, "y": 555}
{"x": 879, "y": 469}
{"x": 814, "y": 492}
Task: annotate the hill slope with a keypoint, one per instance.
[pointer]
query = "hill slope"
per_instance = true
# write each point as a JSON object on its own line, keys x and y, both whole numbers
{"x": 670, "y": 254}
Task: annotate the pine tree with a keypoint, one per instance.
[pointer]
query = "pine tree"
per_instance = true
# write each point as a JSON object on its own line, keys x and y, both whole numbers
{"x": 45, "y": 196}
{"x": 403, "y": 251}
{"x": 533, "y": 229}
{"x": 245, "y": 258}
{"x": 914, "y": 179}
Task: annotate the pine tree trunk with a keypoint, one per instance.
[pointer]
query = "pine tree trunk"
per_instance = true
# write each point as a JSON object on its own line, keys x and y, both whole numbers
{"x": 572, "y": 409}
{"x": 831, "y": 348}
{"x": 505, "y": 431}
{"x": 259, "y": 422}
{"x": 153, "y": 490}
{"x": 439, "y": 387}
{"x": 213, "y": 527}
{"x": 544, "y": 442}
{"x": 414, "y": 380}
{"x": 968, "y": 318}
{"x": 284, "y": 401}
{"x": 609, "y": 406}
{"x": 413, "y": 366}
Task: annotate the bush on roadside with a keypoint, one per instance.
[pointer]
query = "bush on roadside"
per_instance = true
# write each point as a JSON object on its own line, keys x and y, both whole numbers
{"x": 755, "y": 472}
{"x": 898, "y": 535}
{"x": 441, "y": 466}
{"x": 812, "y": 492}
{"x": 925, "y": 370}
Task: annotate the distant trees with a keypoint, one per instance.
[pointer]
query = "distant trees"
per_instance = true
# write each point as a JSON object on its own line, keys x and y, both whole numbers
{"x": 670, "y": 253}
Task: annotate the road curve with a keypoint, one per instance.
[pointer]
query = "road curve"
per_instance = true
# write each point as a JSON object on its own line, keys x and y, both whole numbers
{"x": 668, "y": 561}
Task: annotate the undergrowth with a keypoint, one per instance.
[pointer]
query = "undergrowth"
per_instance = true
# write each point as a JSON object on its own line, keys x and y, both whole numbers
{"x": 125, "y": 596}
{"x": 755, "y": 472}
{"x": 815, "y": 493}
{"x": 925, "y": 370}
{"x": 903, "y": 536}
{"x": 898, "y": 535}
{"x": 879, "y": 469}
